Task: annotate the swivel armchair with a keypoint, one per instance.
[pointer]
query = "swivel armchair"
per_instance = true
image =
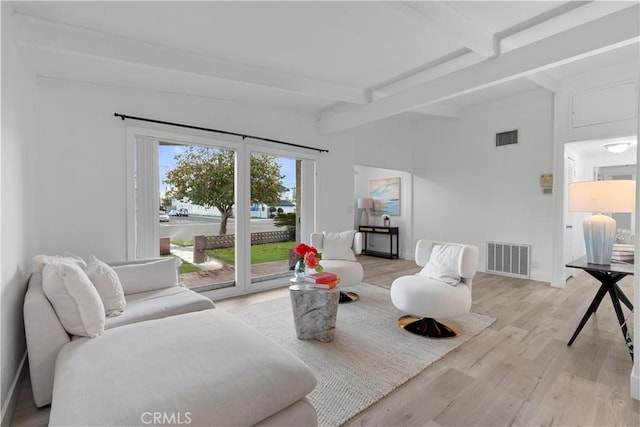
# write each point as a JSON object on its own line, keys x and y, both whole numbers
{"x": 441, "y": 290}
{"x": 339, "y": 252}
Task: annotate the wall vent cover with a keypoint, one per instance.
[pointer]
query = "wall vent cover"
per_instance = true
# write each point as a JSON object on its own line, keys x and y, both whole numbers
{"x": 506, "y": 138}
{"x": 509, "y": 259}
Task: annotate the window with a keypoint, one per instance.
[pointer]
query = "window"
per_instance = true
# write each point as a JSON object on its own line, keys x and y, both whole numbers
{"x": 234, "y": 210}
{"x": 275, "y": 211}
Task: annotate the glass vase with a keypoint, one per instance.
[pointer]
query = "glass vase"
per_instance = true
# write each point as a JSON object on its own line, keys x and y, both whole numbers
{"x": 300, "y": 271}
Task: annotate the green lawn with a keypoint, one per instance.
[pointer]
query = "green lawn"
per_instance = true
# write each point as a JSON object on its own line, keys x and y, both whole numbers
{"x": 182, "y": 243}
{"x": 187, "y": 267}
{"x": 259, "y": 253}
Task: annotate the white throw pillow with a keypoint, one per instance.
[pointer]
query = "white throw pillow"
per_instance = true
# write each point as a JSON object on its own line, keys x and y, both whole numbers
{"x": 39, "y": 261}
{"x": 444, "y": 264}
{"x": 108, "y": 285}
{"x": 338, "y": 245}
{"x": 74, "y": 298}
{"x": 148, "y": 276}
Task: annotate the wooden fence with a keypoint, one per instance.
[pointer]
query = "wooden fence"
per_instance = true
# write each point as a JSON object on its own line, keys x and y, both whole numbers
{"x": 202, "y": 243}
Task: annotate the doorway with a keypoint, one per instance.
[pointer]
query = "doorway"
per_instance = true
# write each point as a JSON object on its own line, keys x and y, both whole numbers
{"x": 590, "y": 161}
{"x": 401, "y": 216}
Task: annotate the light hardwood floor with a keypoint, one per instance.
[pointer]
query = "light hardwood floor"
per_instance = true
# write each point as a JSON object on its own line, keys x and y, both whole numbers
{"x": 519, "y": 371}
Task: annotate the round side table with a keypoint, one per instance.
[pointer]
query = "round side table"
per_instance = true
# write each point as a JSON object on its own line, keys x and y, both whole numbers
{"x": 314, "y": 311}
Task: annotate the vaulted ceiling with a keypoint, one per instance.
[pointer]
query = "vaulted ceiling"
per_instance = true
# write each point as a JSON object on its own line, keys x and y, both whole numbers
{"x": 349, "y": 63}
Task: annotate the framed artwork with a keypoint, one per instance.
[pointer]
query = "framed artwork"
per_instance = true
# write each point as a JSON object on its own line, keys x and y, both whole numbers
{"x": 385, "y": 193}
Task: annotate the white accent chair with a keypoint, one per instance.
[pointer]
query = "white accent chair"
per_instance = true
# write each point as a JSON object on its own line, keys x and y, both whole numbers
{"x": 426, "y": 298}
{"x": 347, "y": 267}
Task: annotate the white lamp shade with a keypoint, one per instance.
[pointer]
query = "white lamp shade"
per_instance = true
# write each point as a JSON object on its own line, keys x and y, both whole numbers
{"x": 602, "y": 196}
{"x": 365, "y": 203}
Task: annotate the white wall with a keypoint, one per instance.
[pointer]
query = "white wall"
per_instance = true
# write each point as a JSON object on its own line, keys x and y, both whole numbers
{"x": 468, "y": 190}
{"x": 404, "y": 221}
{"x": 80, "y": 161}
{"x": 385, "y": 144}
{"x": 17, "y": 231}
{"x": 82, "y": 166}
{"x": 584, "y": 83}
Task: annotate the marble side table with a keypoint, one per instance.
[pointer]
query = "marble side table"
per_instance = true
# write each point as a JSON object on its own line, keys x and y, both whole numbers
{"x": 314, "y": 311}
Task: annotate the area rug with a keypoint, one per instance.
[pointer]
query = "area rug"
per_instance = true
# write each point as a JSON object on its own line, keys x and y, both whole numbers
{"x": 369, "y": 355}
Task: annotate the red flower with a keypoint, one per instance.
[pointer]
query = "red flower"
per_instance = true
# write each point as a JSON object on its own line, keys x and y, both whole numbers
{"x": 309, "y": 255}
{"x": 301, "y": 249}
{"x": 311, "y": 260}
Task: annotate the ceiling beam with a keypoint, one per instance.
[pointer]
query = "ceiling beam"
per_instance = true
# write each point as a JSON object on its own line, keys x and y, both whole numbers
{"x": 452, "y": 23}
{"x": 463, "y": 61}
{"x": 581, "y": 15}
{"x": 440, "y": 110}
{"x": 545, "y": 81}
{"x": 608, "y": 33}
{"x": 79, "y": 41}
{"x": 578, "y": 16}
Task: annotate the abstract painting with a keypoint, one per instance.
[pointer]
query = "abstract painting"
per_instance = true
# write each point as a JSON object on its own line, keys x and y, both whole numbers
{"x": 385, "y": 193}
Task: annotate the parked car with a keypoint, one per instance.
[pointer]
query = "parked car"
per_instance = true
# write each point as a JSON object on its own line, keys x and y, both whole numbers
{"x": 179, "y": 212}
{"x": 164, "y": 217}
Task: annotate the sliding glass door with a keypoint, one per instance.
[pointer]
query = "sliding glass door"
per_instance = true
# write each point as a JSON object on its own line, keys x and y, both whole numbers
{"x": 197, "y": 194}
{"x": 230, "y": 211}
{"x": 275, "y": 214}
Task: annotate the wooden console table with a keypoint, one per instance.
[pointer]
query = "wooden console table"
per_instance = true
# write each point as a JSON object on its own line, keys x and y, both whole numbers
{"x": 389, "y": 231}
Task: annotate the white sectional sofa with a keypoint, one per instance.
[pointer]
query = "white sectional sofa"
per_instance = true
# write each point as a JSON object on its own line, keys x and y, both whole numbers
{"x": 168, "y": 356}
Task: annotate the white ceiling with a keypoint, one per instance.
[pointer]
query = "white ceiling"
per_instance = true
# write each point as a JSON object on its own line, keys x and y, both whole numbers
{"x": 349, "y": 63}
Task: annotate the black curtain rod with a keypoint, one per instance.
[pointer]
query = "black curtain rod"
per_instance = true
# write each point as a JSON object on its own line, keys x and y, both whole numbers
{"x": 123, "y": 116}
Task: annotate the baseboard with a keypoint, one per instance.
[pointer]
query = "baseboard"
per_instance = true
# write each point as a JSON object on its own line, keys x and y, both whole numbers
{"x": 9, "y": 405}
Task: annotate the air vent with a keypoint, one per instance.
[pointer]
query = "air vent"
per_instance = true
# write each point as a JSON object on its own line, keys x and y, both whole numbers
{"x": 508, "y": 259}
{"x": 506, "y": 138}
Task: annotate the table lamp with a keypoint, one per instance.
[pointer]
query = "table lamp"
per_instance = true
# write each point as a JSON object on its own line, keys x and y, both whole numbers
{"x": 365, "y": 203}
{"x": 599, "y": 197}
